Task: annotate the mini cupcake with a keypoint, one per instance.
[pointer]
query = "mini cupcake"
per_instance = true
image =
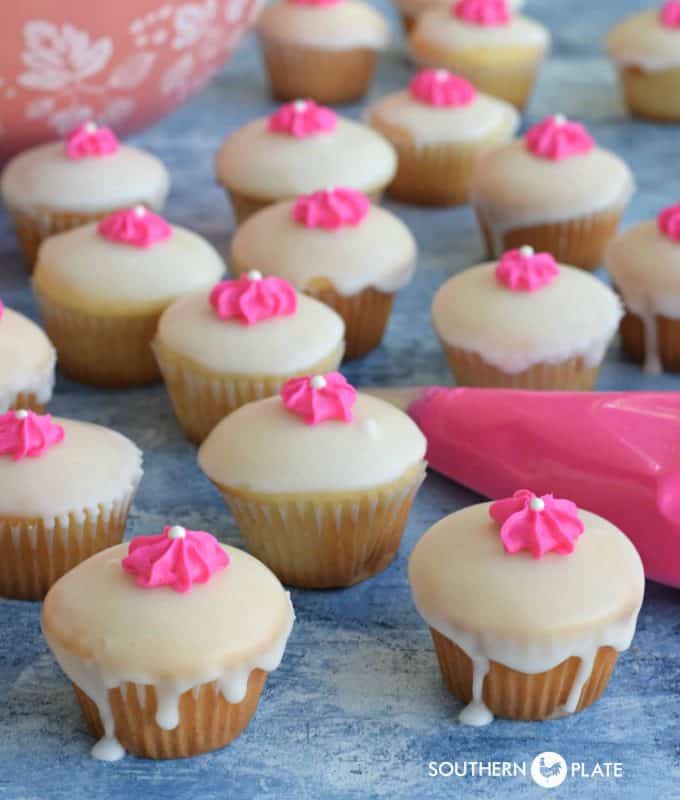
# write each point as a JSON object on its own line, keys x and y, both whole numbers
{"x": 58, "y": 186}
{"x": 240, "y": 342}
{"x": 300, "y": 148}
{"x": 529, "y": 601}
{"x": 66, "y": 490}
{"x": 325, "y": 245}
{"x": 440, "y": 126}
{"x": 484, "y": 40}
{"x": 645, "y": 49}
{"x": 322, "y": 49}
{"x": 170, "y": 652}
{"x": 27, "y": 361}
{"x": 101, "y": 289}
{"x": 525, "y": 322}
{"x": 320, "y": 480}
{"x": 410, "y": 10}
{"x": 644, "y": 263}
{"x": 555, "y": 190}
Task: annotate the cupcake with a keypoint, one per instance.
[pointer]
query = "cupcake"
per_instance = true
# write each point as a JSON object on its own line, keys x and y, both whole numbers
{"x": 529, "y": 601}
{"x": 61, "y": 185}
{"x": 325, "y": 245}
{"x": 644, "y": 264}
{"x": 170, "y": 654}
{"x": 27, "y": 361}
{"x": 300, "y": 148}
{"x": 555, "y": 190}
{"x": 525, "y": 322}
{"x": 240, "y": 342}
{"x": 320, "y": 480}
{"x": 102, "y": 287}
{"x": 484, "y": 40}
{"x": 322, "y": 49}
{"x": 645, "y": 49}
{"x": 439, "y": 127}
{"x": 410, "y": 10}
{"x": 66, "y": 490}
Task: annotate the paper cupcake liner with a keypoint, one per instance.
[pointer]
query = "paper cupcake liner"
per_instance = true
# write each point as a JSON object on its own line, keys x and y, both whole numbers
{"x": 470, "y": 369}
{"x": 34, "y": 553}
{"x": 652, "y": 95}
{"x": 29, "y": 401}
{"x": 579, "y": 242}
{"x": 328, "y": 540}
{"x": 201, "y": 398}
{"x": 329, "y": 77}
{"x": 408, "y": 22}
{"x": 668, "y": 340}
{"x": 519, "y": 695}
{"x": 206, "y": 720}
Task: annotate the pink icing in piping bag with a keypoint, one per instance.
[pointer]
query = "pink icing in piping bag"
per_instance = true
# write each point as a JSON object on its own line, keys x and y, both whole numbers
{"x": 670, "y": 14}
{"x": 331, "y": 209}
{"x": 302, "y": 118}
{"x": 89, "y": 139}
{"x": 668, "y": 222}
{"x": 613, "y": 453}
{"x": 488, "y": 13}
{"x": 136, "y": 226}
{"x": 441, "y": 88}
{"x": 557, "y": 138}
{"x": 25, "y": 434}
{"x": 253, "y": 298}
{"x": 319, "y": 397}
{"x": 524, "y": 270}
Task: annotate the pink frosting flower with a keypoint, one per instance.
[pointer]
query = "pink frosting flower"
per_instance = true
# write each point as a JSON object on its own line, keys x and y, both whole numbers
{"x": 331, "y": 209}
{"x": 2, "y": 309}
{"x": 24, "y": 434}
{"x": 670, "y": 14}
{"x": 136, "y": 226}
{"x": 557, "y": 138}
{"x": 537, "y": 524}
{"x": 488, "y": 13}
{"x": 303, "y": 118}
{"x": 177, "y": 558}
{"x": 90, "y": 140}
{"x": 668, "y": 222}
{"x": 319, "y": 397}
{"x": 253, "y": 298}
{"x": 524, "y": 270}
{"x": 439, "y": 87}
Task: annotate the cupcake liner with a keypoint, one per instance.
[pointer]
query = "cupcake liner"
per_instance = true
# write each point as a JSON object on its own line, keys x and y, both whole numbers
{"x": 34, "y": 553}
{"x": 201, "y": 398}
{"x": 652, "y": 95}
{"x": 408, "y": 22}
{"x": 519, "y": 695}
{"x": 668, "y": 340}
{"x": 579, "y": 242}
{"x": 327, "y": 540}
{"x": 29, "y": 401}
{"x": 470, "y": 369}
{"x": 206, "y": 720}
{"x": 326, "y": 76}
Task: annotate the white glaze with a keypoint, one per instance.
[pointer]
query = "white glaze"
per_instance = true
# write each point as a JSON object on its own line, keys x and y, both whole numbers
{"x": 342, "y": 26}
{"x": 27, "y": 360}
{"x": 575, "y": 315}
{"x": 348, "y": 257}
{"x": 46, "y": 178}
{"x": 263, "y": 447}
{"x": 527, "y": 614}
{"x": 642, "y": 41}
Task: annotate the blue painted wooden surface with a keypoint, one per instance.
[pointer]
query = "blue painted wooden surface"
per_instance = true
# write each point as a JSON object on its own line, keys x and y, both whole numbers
{"x": 357, "y": 710}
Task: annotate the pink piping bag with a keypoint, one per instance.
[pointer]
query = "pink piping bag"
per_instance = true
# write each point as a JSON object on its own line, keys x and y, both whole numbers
{"x": 614, "y": 453}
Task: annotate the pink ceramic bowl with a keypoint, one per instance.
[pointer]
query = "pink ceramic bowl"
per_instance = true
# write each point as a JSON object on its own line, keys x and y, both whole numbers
{"x": 124, "y": 63}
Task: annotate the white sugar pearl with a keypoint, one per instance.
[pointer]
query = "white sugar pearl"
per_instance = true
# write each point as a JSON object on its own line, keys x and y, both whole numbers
{"x": 300, "y": 105}
{"x": 21, "y": 414}
{"x": 90, "y": 127}
{"x": 139, "y": 211}
{"x": 177, "y": 532}
{"x": 536, "y": 504}
{"x": 527, "y": 251}
{"x": 318, "y": 382}
{"x": 441, "y": 74}
{"x": 559, "y": 119}
{"x": 254, "y": 275}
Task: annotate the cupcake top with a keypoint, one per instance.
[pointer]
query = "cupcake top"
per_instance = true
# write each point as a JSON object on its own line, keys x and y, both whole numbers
{"x": 52, "y": 467}
{"x": 27, "y": 359}
{"x": 327, "y": 24}
{"x": 328, "y": 237}
{"x": 319, "y": 435}
{"x": 440, "y": 107}
{"x": 90, "y": 172}
{"x": 526, "y": 309}
{"x": 649, "y": 39}
{"x": 301, "y": 148}
{"x": 251, "y": 326}
{"x": 131, "y": 260}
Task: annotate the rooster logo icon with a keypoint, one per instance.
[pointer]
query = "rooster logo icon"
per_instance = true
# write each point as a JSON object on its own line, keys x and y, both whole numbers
{"x": 548, "y": 770}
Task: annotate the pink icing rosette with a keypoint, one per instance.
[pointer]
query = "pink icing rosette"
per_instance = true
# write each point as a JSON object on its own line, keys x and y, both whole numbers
{"x": 319, "y": 397}
{"x": 136, "y": 226}
{"x": 668, "y": 222}
{"x": 331, "y": 209}
{"x": 89, "y": 139}
{"x": 670, "y": 14}
{"x": 2, "y": 309}
{"x": 557, "y": 138}
{"x": 537, "y": 524}
{"x": 523, "y": 270}
{"x": 302, "y": 118}
{"x": 177, "y": 558}
{"x": 488, "y": 13}
{"x": 24, "y": 434}
{"x": 253, "y": 298}
{"x": 439, "y": 87}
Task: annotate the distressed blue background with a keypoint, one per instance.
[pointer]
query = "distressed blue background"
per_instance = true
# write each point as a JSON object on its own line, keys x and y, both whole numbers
{"x": 357, "y": 709}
